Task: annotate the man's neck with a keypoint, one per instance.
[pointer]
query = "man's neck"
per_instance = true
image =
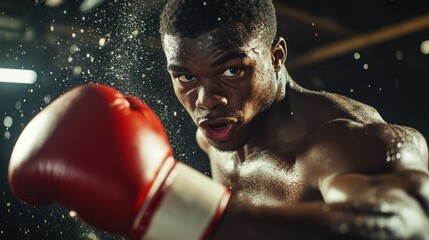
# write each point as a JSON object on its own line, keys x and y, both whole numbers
{"x": 266, "y": 135}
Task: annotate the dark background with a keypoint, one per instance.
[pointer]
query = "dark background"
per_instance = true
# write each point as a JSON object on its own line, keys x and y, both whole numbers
{"x": 369, "y": 50}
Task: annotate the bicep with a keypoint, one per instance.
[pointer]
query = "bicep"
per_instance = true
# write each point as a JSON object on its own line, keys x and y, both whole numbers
{"x": 363, "y": 161}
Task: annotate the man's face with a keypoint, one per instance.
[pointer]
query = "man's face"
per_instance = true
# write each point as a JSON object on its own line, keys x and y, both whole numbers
{"x": 223, "y": 82}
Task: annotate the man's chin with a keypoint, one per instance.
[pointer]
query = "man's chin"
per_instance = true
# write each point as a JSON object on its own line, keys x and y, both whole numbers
{"x": 226, "y": 146}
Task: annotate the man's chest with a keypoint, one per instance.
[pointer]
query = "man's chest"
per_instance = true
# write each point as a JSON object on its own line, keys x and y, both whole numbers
{"x": 263, "y": 180}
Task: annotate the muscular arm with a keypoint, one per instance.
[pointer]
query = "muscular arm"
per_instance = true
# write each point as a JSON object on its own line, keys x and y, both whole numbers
{"x": 373, "y": 179}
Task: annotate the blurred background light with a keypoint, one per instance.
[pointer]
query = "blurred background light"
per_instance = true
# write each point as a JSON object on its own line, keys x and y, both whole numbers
{"x": 17, "y": 76}
{"x": 53, "y": 3}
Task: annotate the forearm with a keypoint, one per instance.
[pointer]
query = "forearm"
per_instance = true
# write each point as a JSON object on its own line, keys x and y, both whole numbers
{"x": 305, "y": 221}
{"x": 348, "y": 220}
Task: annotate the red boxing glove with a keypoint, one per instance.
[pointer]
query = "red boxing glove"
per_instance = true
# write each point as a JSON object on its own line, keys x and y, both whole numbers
{"x": 108, "y": 158}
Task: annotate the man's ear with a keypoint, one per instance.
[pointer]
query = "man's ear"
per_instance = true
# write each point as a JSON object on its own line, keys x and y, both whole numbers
{"x": 278, "y": 53}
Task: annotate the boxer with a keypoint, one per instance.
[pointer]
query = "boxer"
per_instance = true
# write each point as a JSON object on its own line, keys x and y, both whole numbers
{"x": 287, "y": 162}
{"x": 300, "y": 164}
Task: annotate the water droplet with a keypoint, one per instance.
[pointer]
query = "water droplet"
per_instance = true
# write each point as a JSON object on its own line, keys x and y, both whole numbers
{"x": 92, "y": 236}
{"x": 398, "y": 156}
{"x": 8, "y": 121}
{"x": 102, "y": 42}
{"x": 399, "y": 55}
{"x": 47, "y": 99}
{"x": 365, "y": 66}
{"x": 18, "y": 105}
{"x": 74, "y": 48}
{"x": 424, "y": 47}
{"x": 356, "y": 55}
{"x": 77, "y": 70}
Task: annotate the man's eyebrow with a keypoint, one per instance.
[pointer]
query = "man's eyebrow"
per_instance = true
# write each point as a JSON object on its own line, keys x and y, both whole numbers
{"x": 228, "y": 57}
{"x": 175, "y": 68}
{"x": 220, "y": 61}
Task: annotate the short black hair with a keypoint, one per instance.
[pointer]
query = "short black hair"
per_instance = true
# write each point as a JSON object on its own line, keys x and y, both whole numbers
{"x": 191, "y": 18}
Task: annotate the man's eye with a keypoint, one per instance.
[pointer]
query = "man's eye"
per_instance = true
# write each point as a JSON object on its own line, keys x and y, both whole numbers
{"x": 231, "y": 72}
{"x": 186, "y": 78}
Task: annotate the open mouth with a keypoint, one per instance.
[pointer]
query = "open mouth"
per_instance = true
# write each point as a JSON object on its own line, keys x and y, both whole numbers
{"x": 218, "y": 126}
{"x": 218, "y": 132}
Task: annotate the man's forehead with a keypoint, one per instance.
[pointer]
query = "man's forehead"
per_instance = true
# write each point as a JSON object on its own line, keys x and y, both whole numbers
{"x": 234, "y": 35}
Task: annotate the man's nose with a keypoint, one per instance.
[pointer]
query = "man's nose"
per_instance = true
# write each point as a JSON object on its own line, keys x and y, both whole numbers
{"x": 210, "y": 99}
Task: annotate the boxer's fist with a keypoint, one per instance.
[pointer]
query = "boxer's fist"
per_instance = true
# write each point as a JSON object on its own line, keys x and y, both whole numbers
{"x": 107, "y": 157}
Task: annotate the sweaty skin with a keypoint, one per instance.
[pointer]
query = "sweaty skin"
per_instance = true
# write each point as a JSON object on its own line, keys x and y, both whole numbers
{"x": 301, "y": 164}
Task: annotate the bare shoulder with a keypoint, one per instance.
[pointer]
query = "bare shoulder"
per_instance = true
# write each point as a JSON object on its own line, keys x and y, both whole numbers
{"x": 329, "y": 106}
{"x": 343, "y": 146}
